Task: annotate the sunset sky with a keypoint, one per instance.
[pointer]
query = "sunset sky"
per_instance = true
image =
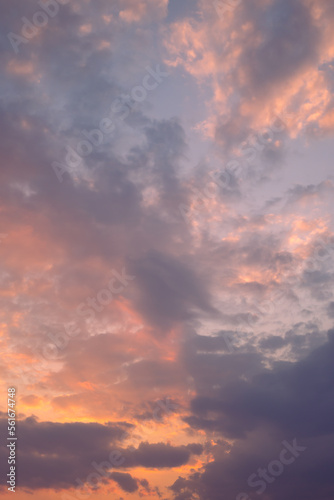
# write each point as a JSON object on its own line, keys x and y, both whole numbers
{"x": 167, "y": 248}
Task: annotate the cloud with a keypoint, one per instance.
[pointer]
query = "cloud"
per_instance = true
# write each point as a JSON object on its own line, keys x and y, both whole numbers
{"x": 54, "y": 455}
{"x": 231, "y": 299}
{"x": 288, "y": 397}
{"x": 160, "y": 455}
{"x": 292, "y": 401}
{"x": 169, "y": 290}
{"x": 125, "y": 481}
{"x": 261, "y": 59}
{"x": 330, "y": 310}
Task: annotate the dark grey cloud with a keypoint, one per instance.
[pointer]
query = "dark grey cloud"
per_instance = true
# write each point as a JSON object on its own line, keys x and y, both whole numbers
{"x": 290, "y": 39}
{"x": 170, "y": 290}
{"x": 293, "y": 401}
{"x": 330, "y": 309}
{"x": 227, "y": 475}
{"x": 213, "y": 361}
{"x": 55, "y": 455}
{"x": 300, "y": 340}
{"x": 67, "y": 438}
{"x": 273, "y": 342}
{"x": 295, "y": 397}
{"x": 125, "y": 481}
{"x": 161, "y": 455}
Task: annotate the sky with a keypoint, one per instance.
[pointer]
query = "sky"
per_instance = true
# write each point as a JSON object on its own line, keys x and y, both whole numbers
{"x": 167, "y": 248}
